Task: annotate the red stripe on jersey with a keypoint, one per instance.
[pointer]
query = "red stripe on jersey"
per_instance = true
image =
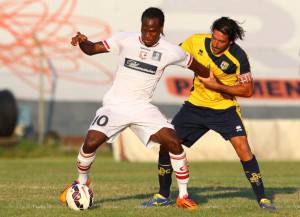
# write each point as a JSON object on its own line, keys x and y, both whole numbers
{"x": 190, "y": 60}
{"x": 106, "y": 44}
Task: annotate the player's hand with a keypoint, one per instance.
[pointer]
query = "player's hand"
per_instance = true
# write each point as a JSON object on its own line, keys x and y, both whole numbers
{"x": 211, "y": 82}
{"x": 215, "y": 84}
{"x": 78, "y": 39}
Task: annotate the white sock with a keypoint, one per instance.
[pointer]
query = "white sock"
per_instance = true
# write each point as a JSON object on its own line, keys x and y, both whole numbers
{"x": 83, "y": 178}
{"x": 180, "y": 167}
{"x": 84, "y": 162}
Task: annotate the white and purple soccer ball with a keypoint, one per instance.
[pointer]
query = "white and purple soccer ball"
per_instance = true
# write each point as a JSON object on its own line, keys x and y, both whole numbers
{"x": 80, "y": 197}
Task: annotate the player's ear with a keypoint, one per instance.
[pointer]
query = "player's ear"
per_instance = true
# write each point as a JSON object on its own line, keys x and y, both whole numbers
{"x": 162, "y": 30}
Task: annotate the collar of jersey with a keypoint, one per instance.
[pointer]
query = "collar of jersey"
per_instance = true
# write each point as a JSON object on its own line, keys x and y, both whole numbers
{"x": 141, "y": 41}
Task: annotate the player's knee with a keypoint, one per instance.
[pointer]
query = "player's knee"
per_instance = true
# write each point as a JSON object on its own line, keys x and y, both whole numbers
{"x": 90, "y": 145}
{"x": 93, "y": 140}
{"x": 175, "y": 147}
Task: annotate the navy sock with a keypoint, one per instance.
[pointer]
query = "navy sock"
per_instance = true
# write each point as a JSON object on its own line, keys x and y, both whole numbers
{"x": 252, "y": 172}
{"x": 164, "y": 175}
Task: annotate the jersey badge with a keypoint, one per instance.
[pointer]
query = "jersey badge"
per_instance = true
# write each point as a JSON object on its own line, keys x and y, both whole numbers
{"x": 224, "y": 65}
{"x": 156, "y": 55}
{"x": 143, "y": 54}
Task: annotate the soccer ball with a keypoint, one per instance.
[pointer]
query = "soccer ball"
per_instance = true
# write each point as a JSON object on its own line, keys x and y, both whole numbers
{"x": 79, "y": 197}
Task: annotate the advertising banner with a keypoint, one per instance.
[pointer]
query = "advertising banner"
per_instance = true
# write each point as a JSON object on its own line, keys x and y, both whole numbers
{"x": 36, "y": 54}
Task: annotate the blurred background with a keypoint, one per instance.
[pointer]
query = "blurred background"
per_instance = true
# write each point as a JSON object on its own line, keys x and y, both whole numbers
{"x": 49, "y": 90}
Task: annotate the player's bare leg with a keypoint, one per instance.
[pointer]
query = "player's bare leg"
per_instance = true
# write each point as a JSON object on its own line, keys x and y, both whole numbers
{"x": 251, "y": 168}
{"x": 86, "y": 157}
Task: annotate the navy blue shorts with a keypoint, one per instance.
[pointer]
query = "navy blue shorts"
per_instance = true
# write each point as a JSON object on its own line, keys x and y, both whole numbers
{"x": 192, "y": 122}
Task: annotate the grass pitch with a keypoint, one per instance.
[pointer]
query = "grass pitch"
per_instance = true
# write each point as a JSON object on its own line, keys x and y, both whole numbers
{"x": 30, "y": 187}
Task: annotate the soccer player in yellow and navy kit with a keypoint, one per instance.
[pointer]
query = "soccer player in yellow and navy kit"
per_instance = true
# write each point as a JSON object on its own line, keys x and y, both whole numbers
{"x": 212, "y": 104}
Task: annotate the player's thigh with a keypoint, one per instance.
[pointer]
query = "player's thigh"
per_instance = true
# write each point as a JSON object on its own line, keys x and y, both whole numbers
{"x": 168, "y": 140}
{"x": 166, "y": 136}
{"x": 147, "y": 122}
{"x": 188, "y": 124}
{"x": 227, "y": 122}
{"x": 109, "y": 121}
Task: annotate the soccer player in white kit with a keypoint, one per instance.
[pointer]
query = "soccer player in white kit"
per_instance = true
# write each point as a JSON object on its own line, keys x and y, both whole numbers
{"x": 142, "y": 60}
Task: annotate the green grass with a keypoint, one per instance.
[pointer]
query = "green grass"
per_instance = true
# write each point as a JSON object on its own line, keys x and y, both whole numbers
{"x": 30, "y": 187}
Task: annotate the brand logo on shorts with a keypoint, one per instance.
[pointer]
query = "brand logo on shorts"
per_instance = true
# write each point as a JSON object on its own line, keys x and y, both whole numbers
{"x": 140, "y": 66}
{"x": 238, "y": 128}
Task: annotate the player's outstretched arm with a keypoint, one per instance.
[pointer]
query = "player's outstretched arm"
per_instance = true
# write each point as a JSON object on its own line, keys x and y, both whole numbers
{"x": 199, "y": 69}
{"x": 88, "y": 47}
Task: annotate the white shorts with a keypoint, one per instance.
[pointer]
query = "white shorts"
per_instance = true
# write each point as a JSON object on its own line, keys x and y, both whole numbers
{"x": 144, "y": 120}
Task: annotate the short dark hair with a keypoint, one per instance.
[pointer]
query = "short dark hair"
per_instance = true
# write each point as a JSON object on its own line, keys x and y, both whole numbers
{"x": 154, "y": 13}
{"x": 229, "y": 27}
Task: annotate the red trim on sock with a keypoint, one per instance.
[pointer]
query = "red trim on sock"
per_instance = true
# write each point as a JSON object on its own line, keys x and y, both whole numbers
{"x": 182, "y": 177}
{"x": 83, "y": 169}
{"x": 177, "y": 158}
{"x": 89, "y": 155}
{"x": 184, "y": 172}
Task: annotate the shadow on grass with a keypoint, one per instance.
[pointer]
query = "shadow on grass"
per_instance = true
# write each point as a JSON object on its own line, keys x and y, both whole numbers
{"x": 137, "y": 196}
{"x": 203, "y": 195}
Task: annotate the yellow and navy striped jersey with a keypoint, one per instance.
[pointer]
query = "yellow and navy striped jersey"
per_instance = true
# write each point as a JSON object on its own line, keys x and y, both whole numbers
{"x": 226, "y": 66}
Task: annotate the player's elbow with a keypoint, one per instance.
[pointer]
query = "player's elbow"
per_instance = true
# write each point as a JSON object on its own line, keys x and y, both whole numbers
{"x": 88, "y": 52}
{"x": 248, "y": 93}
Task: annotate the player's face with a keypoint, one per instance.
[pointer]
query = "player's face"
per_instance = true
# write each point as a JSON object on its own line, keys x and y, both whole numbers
{"x": 219, "y": 42}
{"x": 151, "y": 31}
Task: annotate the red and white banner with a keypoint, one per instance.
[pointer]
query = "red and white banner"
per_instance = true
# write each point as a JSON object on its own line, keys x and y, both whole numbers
{"x": 264, "y": 89}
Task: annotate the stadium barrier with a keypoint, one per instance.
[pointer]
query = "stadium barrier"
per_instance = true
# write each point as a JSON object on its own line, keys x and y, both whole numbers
{"x": 269, "y": 139}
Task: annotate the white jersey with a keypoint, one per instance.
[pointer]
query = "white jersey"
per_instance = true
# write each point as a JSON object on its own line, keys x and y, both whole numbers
{"x": 140, "y": 67}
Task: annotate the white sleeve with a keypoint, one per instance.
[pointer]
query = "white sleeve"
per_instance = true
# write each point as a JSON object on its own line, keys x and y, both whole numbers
{"x": 113, "y": 44}
{"x": 181, "y": 58}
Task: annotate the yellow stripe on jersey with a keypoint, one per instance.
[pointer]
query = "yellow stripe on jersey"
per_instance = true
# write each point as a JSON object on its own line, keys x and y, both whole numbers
{"x": 238, "y": 111}
{"x": 226, "y": 67}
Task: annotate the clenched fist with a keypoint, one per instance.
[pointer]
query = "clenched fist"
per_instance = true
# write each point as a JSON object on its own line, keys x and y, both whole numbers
{"x": 78, "y": 39}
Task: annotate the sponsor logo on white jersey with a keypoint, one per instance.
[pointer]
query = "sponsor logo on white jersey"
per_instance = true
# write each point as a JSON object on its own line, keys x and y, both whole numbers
{"x": 140, "y": 66}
